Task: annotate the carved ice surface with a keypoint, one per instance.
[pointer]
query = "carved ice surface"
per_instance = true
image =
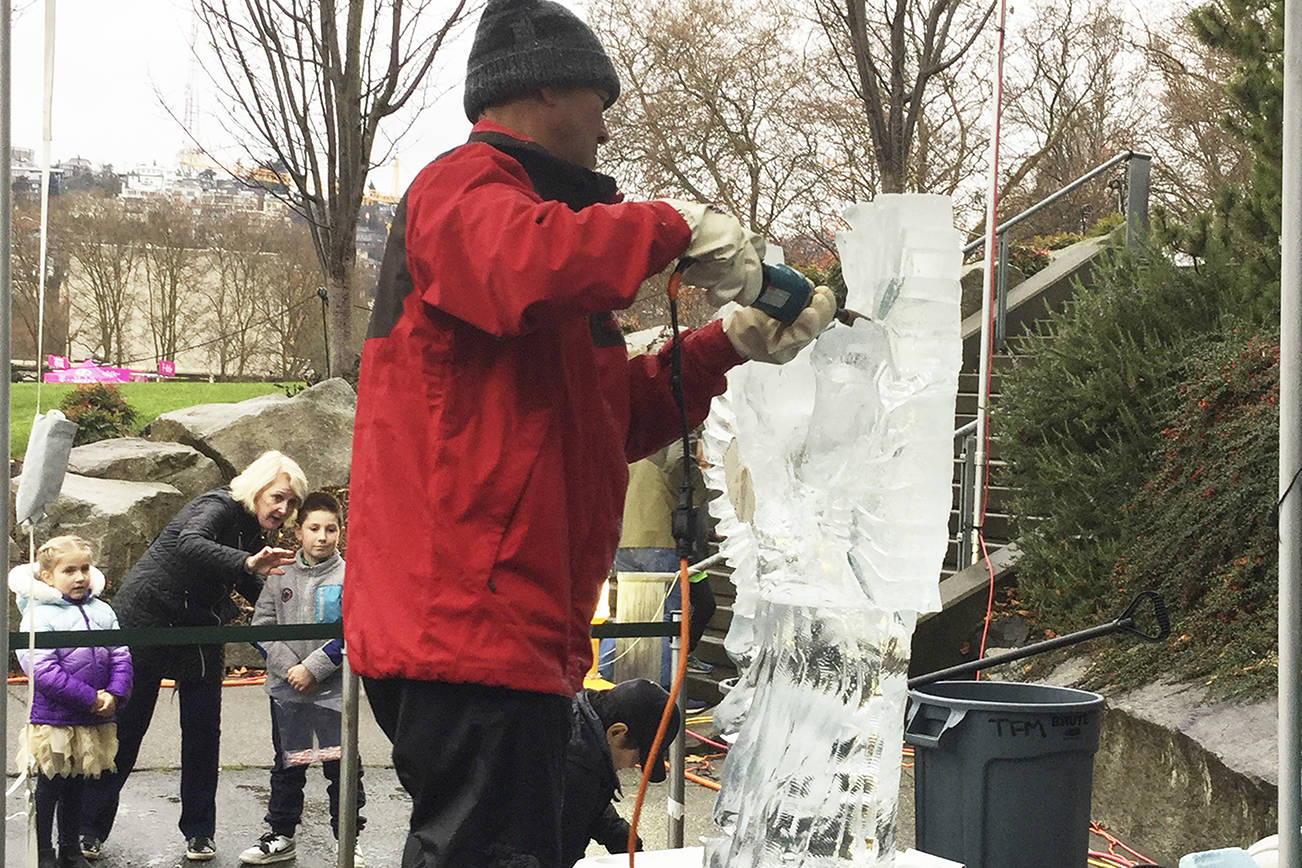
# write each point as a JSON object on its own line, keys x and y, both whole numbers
{"x": 836, "y": 469}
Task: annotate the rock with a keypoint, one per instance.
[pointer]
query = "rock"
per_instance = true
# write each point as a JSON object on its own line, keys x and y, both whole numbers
{"x": 315, "y": 428}
{"x": 120, "y": 518}
{"x": 133, "y": 458}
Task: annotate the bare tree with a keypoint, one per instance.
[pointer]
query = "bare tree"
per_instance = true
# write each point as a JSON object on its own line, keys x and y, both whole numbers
{"x": 1074, "y": 98}
{"x": 715, "y": 105}
{"x": 103, "y": 240}
{"x": 1199, "y": 157}
{"x": 306, "y": 85}
{"x": 287, "y": 307}
{"x": 241, "y": 256}
{"x": 25, "y": 283}
{"x": 168, "y": 259}
{"x": 891, "y": 56}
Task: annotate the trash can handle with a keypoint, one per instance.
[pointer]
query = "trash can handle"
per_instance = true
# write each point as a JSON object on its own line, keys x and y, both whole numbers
{"x": 926, "y": 739}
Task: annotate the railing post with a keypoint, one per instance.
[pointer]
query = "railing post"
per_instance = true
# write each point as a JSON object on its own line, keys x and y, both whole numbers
{"x": 1137, "y": 170}
{"x": 677, "y": 748}
{"x": 1001, "y": 292}
{"x": 966, "y": 501}
{"x": 348, "y": 765}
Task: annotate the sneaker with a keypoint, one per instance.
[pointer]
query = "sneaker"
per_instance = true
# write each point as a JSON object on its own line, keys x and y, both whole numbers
{"x": 270, "y": 848}
{"x": 70, "y": 857}
{"x": 359, "y": 861}
{"x": 200, "y": 849}
{"x": 90, "y": 846}
{"x": 695, "y": 705}
{"x": 695, "y": 664}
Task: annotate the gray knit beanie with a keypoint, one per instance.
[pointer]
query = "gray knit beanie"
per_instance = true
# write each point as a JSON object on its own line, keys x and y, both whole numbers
{"x": 522, "y": 45}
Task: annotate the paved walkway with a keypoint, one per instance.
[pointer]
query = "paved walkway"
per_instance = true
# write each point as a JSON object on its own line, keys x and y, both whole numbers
{"x": 146, "y": 833}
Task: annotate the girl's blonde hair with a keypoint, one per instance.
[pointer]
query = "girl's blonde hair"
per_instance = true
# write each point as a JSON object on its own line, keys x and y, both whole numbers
{"x": 263, "y": 472}
{"x": 59, "y": 547}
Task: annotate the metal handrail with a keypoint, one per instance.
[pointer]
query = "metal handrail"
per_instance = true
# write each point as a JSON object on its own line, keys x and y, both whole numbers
{"x": 964, "y": 430}
{"x": 1124, "y": 156}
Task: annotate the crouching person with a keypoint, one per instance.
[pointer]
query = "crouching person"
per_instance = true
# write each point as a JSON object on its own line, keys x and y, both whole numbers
{"x": 613, "y": 729}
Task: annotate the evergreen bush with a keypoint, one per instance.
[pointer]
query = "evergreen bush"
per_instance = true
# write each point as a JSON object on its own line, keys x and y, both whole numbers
{"x": 1203, "y": 529}
{"x": 100, "y": 412}
{"x": 1079, "y": 421}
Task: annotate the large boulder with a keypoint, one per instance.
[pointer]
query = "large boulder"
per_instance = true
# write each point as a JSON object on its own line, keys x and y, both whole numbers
{"x": 315, "y": 428}
{"x": 119, "y": 517}
{"x": 137, "y": 459}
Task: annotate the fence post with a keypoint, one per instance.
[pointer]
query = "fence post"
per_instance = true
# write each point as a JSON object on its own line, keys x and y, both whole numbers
{"x": 1001, "y": 292}
{"x": 348, "y": 769}
{"x": 966, "y": 502}
{"x": 1137, "y": 170}
{"x": 677, "y": 748}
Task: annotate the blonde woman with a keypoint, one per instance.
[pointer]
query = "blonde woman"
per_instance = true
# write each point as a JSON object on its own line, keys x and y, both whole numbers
{"x": 215, "y": 545}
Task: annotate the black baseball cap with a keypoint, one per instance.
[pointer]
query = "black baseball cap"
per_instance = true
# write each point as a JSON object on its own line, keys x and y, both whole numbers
{"x": 638, "y": 704}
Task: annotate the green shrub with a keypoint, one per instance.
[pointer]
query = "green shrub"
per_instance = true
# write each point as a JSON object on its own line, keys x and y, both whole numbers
{"x": 1105, "y": 224}
{"x": 1203, "y": 528}
{"x": 100, "y": 412}
{"x": 1079, "y": 421}
{"x": 1026, "y": 258}
{"x": 1056, "y": 241}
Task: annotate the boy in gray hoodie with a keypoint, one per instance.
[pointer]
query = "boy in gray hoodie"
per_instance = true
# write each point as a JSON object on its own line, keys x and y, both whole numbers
{"x": 303, "y": 679}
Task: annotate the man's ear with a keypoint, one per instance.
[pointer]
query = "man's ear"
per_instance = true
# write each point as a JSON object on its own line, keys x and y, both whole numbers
{"x": 616, "y": 732}
{"x": 547, "y": 95}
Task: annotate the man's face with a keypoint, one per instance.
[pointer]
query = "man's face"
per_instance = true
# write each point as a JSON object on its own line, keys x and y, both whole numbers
{"x": 576, "y": 124}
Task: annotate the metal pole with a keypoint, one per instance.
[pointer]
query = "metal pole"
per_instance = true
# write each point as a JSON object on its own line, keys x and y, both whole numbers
{"x": 6, "y": 207}
{"x": 1001, "y": 293}
{"x": 1137, "y": 199}
{"x": 1290, "y": 449}
{"x": 988, "y": 290}
{"x": 325, "y": 326}
{"x": 677, "y": 751}
{"x": 348, "y": 769}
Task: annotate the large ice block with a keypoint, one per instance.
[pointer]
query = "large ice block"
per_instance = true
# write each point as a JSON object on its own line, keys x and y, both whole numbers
{"x": 836, "y": 473}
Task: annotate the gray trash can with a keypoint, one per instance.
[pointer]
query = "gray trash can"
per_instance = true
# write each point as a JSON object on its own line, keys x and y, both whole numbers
{"x": 1002, "y": 772}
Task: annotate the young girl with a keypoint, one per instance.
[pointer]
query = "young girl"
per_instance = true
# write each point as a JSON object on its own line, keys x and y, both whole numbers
{"x": 72, "y": 735}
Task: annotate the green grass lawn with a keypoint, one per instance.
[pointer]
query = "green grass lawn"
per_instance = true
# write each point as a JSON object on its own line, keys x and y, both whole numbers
{"x": 149, "y": 400}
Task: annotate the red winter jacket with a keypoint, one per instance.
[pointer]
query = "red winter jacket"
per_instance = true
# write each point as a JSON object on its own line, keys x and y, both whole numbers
{"x": 497, "y": 412}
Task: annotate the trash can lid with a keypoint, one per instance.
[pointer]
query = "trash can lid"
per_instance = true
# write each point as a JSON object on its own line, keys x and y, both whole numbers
{"x": 1005, "y": 695}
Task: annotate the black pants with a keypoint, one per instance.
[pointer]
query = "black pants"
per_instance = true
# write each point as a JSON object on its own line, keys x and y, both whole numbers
{"x": 285, "y": 807}
{"x": 484, "y": 767}
{"x": 65, "y": 795}
{"x": 201, "y": 727}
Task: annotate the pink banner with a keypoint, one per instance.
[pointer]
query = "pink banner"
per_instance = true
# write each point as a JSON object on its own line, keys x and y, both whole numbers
{"x": 166, "y": 368}
{"x": 56, "y": 363}
{"x": 89, "y": 372}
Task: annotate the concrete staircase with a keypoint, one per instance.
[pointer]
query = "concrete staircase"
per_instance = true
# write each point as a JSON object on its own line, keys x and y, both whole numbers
{"x": 944, "y": 638}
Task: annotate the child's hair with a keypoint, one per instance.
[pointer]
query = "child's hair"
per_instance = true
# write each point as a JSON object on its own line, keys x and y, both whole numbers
{"x": 264, "y": 471}
{"x": 323, "y": 501}
{"x": 60, "y": 547}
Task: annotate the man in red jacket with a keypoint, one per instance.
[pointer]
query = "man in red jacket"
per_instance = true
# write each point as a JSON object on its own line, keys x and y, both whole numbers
{"x": 497, "y": 413}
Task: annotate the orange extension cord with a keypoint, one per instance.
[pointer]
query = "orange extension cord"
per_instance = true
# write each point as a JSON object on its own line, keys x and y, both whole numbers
{"x": 680, "y": 672}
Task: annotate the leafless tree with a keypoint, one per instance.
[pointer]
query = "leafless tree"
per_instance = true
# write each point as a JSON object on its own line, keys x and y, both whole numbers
{"x": 241, "y": 256}
{"x": 287, "y": 306}
{"x": 25, "y": 272}
{"x": 306, "y": 85}
{"x": 168, "y": 258}
{"x": 103, "y": 240}
{"x": 892, "y": 57}
{"x": 715, "y": 105}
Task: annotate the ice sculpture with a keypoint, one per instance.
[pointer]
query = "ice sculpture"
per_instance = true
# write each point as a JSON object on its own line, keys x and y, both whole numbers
{"x": 836, "y": 469}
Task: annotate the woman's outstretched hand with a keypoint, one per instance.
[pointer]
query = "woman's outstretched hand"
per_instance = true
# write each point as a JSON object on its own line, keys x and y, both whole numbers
{"x": 269, "y": 561}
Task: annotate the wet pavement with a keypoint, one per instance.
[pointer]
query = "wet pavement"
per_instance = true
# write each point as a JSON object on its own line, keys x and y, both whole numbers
{"x": 145, "y": 835}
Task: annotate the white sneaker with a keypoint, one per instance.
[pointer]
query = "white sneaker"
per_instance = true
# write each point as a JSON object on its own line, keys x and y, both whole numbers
{"x": 359, "y": 861}
{"x": 270, "y": 848}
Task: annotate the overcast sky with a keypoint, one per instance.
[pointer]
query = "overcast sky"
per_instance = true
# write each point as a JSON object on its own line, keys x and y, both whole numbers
{"x": 114, "y": 59}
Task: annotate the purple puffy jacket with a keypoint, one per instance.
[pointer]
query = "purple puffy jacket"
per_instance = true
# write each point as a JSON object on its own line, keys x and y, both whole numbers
{"x": 68, "y": 679}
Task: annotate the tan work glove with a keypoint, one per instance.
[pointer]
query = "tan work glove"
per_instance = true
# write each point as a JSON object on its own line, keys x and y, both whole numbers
{"x": 756, "y": 335}
{"x": 728, "y": 257}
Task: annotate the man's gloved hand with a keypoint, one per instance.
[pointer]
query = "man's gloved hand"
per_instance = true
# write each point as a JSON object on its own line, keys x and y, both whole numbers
{"x": 728, "y": 257}
{"x": 758, "y": 336}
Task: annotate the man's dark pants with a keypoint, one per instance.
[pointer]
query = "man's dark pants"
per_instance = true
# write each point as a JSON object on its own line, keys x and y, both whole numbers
{"x": 484, "y": 767}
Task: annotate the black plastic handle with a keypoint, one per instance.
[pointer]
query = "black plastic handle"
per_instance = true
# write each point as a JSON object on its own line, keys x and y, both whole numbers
{"x": 1160, "y": 616}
